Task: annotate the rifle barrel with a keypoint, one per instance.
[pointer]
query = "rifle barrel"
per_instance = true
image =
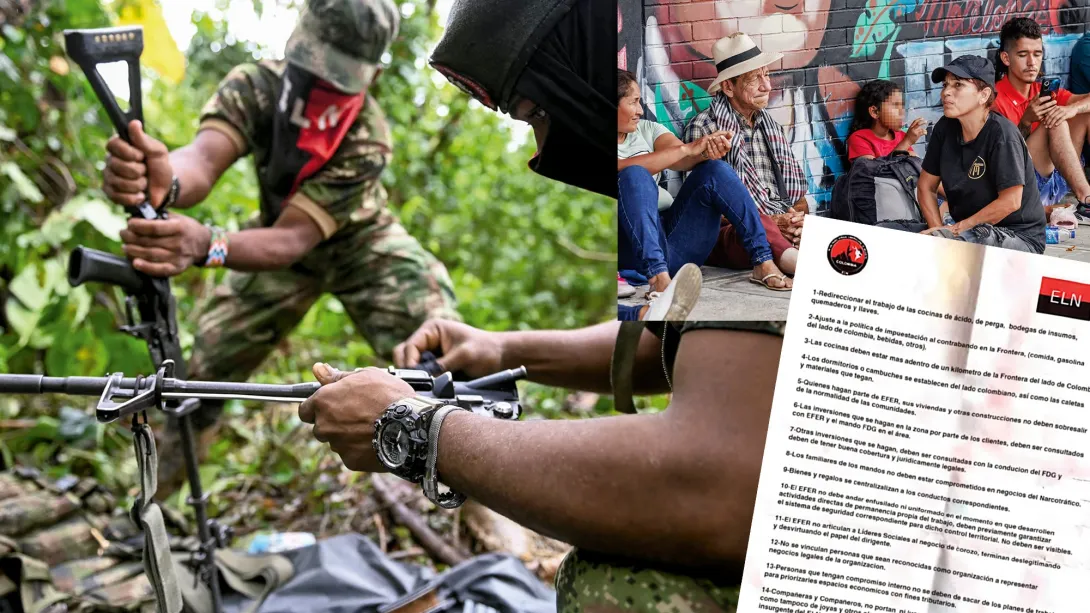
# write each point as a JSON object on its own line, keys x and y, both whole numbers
{"x": 39, "y": 384}
{"x": 172, "y": 388}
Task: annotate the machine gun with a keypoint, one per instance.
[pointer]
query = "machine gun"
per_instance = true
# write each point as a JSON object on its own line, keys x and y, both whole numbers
{"x": 150, "y": 316}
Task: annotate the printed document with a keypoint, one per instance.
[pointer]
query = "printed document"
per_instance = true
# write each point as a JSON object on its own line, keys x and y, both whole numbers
{"x": 927, "y": 449}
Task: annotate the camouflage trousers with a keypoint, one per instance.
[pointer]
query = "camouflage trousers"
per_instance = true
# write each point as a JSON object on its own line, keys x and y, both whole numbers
{"x": 585, "y": 584}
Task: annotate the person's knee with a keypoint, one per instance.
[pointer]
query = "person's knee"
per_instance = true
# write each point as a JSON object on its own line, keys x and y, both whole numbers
{"x": 715, "y": 169}
{"x": 636, "y": 175}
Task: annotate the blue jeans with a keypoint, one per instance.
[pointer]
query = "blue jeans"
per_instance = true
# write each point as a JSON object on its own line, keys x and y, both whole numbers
{"x": 628, "y": 313}
{"x": 982, "y": 234}
{"x": 652, "y": 243}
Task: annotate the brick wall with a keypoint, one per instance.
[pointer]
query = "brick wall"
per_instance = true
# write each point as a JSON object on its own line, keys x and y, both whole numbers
{"x": 831, "y": 47}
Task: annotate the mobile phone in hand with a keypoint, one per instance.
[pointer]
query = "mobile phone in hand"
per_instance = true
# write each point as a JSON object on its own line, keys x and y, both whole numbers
{"x": 1049, "y": 86}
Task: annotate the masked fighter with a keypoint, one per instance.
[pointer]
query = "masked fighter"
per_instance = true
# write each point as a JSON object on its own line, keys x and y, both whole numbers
{"x": 319, "y": 142}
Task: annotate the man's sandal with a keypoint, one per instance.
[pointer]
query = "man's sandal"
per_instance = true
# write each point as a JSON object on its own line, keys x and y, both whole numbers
{"x": 764, "y": 282}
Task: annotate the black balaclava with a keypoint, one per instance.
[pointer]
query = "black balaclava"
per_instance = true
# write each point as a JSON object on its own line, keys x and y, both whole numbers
{"x": 558, "y": 53}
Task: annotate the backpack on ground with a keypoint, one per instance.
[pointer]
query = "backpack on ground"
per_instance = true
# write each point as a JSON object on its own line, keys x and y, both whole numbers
{"x": 878, "y": 189}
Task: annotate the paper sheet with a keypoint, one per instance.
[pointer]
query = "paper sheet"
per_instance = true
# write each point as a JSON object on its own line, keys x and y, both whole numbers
{"x": 927, "y": 445}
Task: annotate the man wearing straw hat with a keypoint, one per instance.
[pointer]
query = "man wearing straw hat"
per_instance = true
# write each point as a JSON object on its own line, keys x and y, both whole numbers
{"x": 760, "y": 151}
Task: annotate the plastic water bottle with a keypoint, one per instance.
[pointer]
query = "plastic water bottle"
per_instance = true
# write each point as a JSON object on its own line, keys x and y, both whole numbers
{"x": 1052, "y": 235}
{"x": 280, "y": 541}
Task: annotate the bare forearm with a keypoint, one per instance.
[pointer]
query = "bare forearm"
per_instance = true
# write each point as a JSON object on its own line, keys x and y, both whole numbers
{"x": 995, "y": 212}
{"x": 677, "y": 486}
{"x": 674, "y": 158}
{"x": 580, "y": 359}
{"x": 261, "y": 249}
{"x": 1080, "y": 102}
{"x": 195, "y": 178}
{"x": 608, "y": 484}
{"x": 929, "y": 206}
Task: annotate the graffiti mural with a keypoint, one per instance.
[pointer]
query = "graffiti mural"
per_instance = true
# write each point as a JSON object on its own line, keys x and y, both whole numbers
{"x": 830, "y": 48}
{"x": 629, "y": 34}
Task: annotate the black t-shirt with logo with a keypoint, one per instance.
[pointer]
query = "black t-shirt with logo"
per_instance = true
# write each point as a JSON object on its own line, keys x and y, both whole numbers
{"x": 973, "y": 173}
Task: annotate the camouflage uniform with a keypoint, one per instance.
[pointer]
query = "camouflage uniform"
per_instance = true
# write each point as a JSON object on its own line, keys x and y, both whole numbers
{"x": 385, "y": 279}
{"x": 590, "y": 582}
{"x": 59, "y": 548}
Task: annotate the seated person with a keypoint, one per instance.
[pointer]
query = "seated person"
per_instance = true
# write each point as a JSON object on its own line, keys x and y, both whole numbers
{"x": 759, "y": 152}
{"x": 876, "y": 128}
{"x": 983, "y": 164}
{"x": 1079, "y": 81}
{"x": 658, "y": 234}
{"x": 1056, "y": 149}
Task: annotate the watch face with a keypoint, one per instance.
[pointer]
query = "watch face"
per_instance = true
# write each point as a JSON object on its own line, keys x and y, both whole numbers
{"x": 393, "y": 444}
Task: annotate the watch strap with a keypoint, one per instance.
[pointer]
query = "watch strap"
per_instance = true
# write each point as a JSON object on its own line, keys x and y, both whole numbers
{"x": 449, "y": 499}
{"x": 172, "y": 194}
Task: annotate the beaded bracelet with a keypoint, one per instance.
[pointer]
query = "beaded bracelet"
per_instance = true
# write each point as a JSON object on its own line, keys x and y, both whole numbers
{"x": 217, "y": 248}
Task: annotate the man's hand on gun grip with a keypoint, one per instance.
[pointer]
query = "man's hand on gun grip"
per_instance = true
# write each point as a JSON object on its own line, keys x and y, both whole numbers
{"x": 464, "y": 348}
{"x": 137, "y": 171}
{"x": 345, "y": 408}
{"x": 165, "y": 247}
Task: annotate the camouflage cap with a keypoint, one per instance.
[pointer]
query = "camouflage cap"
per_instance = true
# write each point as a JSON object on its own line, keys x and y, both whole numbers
{"x": 342, "y": 41}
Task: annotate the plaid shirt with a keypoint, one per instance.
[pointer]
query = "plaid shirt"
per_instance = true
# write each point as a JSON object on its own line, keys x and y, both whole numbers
{"x": 761, "y": 155}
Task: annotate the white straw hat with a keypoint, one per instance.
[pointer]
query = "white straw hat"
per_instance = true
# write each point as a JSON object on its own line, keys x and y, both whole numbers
{"x": 735, "y": 55}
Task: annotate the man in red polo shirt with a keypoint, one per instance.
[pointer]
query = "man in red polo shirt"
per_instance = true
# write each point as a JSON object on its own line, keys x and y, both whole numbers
{"x": 1055, "y": 149}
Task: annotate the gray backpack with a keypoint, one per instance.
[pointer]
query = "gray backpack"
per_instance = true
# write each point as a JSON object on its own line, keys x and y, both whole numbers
{"x": 878, "y": 189}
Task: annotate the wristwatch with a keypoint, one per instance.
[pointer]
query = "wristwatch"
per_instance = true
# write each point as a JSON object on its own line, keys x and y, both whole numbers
{"x": 406, "y": 441}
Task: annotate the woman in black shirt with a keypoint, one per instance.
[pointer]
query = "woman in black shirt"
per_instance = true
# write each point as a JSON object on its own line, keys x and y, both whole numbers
{"x": 983, "y": 164}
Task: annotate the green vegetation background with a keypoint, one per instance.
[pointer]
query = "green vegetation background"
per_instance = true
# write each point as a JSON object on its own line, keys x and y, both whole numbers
{"x": 524, "y": 252}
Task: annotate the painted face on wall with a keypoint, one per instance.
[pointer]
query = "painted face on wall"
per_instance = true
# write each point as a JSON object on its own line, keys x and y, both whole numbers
{"x": 793, "y": 27}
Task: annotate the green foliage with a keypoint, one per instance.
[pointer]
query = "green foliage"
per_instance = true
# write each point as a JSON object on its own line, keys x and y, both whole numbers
{"x": 515, "y": 244}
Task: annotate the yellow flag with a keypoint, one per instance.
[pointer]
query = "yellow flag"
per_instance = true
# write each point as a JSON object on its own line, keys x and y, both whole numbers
{"x": 161, "y": 53}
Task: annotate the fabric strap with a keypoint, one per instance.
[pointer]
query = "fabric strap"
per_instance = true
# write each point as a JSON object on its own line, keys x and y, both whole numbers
{"x": 623, "y": 364}
{"x": 147, "y": 515}
{"x": 252, "y": 576}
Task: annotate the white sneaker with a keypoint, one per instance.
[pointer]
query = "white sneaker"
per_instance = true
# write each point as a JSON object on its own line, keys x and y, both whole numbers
{"x": 624, "y": 290}
{"x": 678, "y": 299}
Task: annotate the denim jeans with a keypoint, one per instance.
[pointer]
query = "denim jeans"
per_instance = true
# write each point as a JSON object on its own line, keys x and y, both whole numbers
{"x": 652, "y": 243}
{"x": 628, "y": 313}
{"x": 982, "y": 234}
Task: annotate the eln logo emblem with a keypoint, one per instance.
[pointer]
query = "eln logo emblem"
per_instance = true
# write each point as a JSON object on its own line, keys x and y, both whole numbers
{"x": 1064, "y": 298}
{"x": 977, "y": 169}
{"x": 847, "y": 255}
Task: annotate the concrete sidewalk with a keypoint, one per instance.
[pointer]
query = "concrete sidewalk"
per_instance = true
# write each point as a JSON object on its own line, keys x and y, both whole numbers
{"x": 728, "y": 295}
